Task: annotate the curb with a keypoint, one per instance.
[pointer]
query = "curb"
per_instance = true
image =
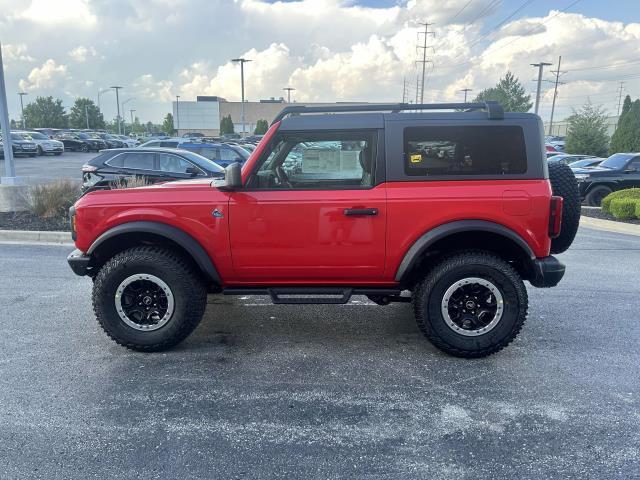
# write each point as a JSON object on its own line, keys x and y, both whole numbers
{"x": 610, "y": 226}
{"x": 27, "y": 236}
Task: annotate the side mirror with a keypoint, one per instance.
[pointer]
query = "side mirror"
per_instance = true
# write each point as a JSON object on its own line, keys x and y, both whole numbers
{"x": 233, "y": 176}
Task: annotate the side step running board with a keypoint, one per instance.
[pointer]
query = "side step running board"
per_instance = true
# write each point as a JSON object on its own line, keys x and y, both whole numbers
{"x": 312, "y": 295}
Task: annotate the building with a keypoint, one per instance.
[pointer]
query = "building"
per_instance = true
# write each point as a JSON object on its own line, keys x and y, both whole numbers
{"x": 204, "y": 115}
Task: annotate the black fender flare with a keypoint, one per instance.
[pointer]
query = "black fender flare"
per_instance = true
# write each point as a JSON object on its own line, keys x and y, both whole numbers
{"x": 429, "y": 238}
{"x": 186, "y": 241}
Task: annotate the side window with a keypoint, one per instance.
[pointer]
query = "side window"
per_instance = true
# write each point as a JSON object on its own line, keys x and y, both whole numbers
{"x": 169, "y": 144}
{"x": 117, "y": 161}
{"x": 465, "y": 150}
{"x": 153, "y": 144}
{"x": 138, "y": 161}
{"x": 319, "y": 161}
{"x": 635, "y": 164}
{"x": 172, "y": 163}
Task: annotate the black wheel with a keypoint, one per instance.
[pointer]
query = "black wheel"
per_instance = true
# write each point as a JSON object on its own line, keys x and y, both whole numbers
{"x": 471, "y": 304}
{"x": 148, "y": 298}
{"x": 596, "y": 195}
{"x": 32, "y": 155}
{"x": 84, "y": 147}
{"x": 57, "y": 154}
{"x": 564, "y": 184}
{"x": 40, "y": 151}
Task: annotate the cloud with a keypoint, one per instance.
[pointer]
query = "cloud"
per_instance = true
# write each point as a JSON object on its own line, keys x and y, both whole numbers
{"x": 74, "y": 13}
{"x": 44, "y": 77}
{"x": 16, "y": 53}
{"x": 148, "y": 88}
{"x": 81, "y": 53}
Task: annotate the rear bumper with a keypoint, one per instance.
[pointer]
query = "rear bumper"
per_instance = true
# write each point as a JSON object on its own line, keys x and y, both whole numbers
{"x": 548, "y": 271}
{"x": 79, "y": 262}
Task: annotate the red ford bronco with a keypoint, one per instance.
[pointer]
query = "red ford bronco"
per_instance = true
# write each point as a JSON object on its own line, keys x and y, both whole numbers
{"x": 457, "y": 207}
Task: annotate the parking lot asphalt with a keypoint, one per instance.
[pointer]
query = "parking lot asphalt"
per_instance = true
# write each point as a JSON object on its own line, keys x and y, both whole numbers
{"x": 47, "y": 168}
{"x": 264, "y": 391}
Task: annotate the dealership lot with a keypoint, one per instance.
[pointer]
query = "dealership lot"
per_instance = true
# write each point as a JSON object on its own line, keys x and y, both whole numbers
{"x": 263, "y": 391}
{"x": 35, "y": 170}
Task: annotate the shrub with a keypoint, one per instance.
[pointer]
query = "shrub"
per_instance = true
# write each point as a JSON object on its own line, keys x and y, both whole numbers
{"x": 130, "y": 182}
{"x": 625, "y": 208}
{"x": 53, "y": 199}
{"x": 629, "y": 193}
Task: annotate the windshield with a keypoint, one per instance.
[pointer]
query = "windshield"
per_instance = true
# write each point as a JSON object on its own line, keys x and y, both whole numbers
{"x": 202, "y": 162}
{"x": 617, "y": 161}
{"x": 16, "y": 136}
{"x": 38, "y": 136}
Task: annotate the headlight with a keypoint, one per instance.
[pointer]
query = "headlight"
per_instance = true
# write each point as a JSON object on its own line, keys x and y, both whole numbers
{"x": 581, "y": 177}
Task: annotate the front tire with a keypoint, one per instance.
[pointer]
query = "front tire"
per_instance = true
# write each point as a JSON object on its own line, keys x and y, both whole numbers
{"x": 472, "y": 304}
{"x": 596, "y": 195}
{"x": 40, "y": 151}
{"x": 148, "y": 298}
{"x": 84, "y": 147}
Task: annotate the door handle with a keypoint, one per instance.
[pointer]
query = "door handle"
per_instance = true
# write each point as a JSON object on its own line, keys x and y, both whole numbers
{"x": 350, "y": 212}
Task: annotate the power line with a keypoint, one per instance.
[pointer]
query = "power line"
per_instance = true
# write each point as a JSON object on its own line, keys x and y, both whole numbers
{"x": 495, "y": 27}
{"x": 459, "y": 12}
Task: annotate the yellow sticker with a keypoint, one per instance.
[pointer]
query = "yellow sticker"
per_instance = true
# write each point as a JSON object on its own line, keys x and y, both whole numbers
{"x": 416, "y": 158}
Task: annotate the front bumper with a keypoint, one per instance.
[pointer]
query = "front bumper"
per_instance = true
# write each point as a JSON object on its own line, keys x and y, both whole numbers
{"x": 547, "y": 272}
{"x": 79, "y": 262}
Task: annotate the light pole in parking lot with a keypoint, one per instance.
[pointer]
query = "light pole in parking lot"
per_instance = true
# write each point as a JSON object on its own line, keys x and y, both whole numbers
{"x": 100, "y": 92}
{"x": 465, "y": 90}
{"x": 241, "y": 61}
{"x": 86, "y": 113}
{"x": 288, "y": 90}
{"x": 178, "y": 114}
{"x": 10, "y": 169}
{"x": 131, "y": 112}
{"x": 24, "y": 123}
{"x": 118, "y": 107}
{"x": 124, "y": 112}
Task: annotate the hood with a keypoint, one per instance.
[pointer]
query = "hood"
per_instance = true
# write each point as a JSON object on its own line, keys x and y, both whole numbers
{"x": 589, "y": 171}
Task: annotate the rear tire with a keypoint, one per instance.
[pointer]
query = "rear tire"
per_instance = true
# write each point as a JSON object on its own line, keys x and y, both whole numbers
{"x": 148, "y": 298}
{"x": 564, "y": 184}
{"x": 481, "y": 282}
{"x": 596, "y": 195}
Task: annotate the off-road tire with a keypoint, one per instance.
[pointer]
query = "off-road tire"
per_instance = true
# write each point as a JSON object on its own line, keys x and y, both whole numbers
{"x": 429, "y": 293}
{"x": 564, "y": 184}
{"x": 188, "y": 289}
{"x": 596, "y": 195}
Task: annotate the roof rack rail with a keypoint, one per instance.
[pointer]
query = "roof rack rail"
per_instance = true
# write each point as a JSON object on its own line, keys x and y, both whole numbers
{"x": 494, "y": 109}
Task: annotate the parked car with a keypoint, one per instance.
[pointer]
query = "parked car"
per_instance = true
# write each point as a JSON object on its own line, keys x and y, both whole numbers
{"x": 567, "y": 158}
{"x": 222, "y": 154}
{"x": 49, "y": 132}
{"x": 152, "y": 164}
{"x": 619, "y": 171}
{"x": 558, "y": 145}
{"x": 587, "y": 162}
{"x": 162, "y": 142}
{"x": 81, "y": 142}
{"x": 550, "y": 148}
{"x": 21, "y": 146}
{"x": 45, "y": 145}
{"x": 357, "y": 220}
{"x": 130, "y": 142}
{"x": 111, "y": 140}
{"x": 193, "y": 135}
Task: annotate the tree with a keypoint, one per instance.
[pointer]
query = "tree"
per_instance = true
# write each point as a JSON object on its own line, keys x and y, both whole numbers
{"x": 509, "y": 92}
{"x": 587, "y": 131}
{"x": 626, "y": 106}
{"x": 167, "y": 124}
{"x": 13, "y": 124}
{"x": 78, "y": 114}
{"x": 226, "y": 125}
{"x": 261, "y": 127}
{"x": 45, "y": 112}
{"x": 626, "y": 138}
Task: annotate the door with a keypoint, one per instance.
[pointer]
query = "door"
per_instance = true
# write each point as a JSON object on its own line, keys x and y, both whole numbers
{"x": 631, "y": 175}
{"x": 311, "y": 211}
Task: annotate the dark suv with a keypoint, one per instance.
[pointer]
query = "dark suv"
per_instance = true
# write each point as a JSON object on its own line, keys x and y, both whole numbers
{"x": 620, "y": 170}
{"x": 457, "y": 209}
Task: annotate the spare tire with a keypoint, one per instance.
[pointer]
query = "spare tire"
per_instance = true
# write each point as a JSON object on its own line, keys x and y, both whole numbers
{"x": 564, "y": 184}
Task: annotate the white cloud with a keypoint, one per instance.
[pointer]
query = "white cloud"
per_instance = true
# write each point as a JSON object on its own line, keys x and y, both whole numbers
{"x": 16, "y": 53}
{"x": 148, "y": 88}
{"x": 44, "y": 77}
{"x": 81, "y": 53}
{"x": 74, "y": 13}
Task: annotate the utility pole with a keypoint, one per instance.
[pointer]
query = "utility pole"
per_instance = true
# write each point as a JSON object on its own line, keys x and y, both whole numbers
{"x": 24, "y": 122}
{"x": 118, "y": 107}
{"x": 241, "y": 61}
{"x": 540, "y": 66}
{"x": 555, "y": 93}
{"x": 404, "y": 89}
{"x": 86, "y": 113}
{"x": 619, "y": 104}
{"x": 131, "y": 112}
{"x": 424, "y": 60}
{"x": 288, "y": 90}
{"x": 9, "y": 166}
{"x": 465, "y": 90}
{"x": 177, "y": 114}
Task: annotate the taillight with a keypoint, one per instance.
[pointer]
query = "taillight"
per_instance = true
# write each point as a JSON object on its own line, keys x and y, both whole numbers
{"x": 555, "y": 216}
{"x": 89, "y": 169}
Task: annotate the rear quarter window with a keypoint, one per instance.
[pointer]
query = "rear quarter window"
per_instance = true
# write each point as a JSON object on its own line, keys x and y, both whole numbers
{"x": 464, "y": 150}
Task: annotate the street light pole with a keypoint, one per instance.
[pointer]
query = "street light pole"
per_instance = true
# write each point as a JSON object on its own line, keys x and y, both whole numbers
{"x": 100, "y": 92}
{"x": 540, "y": 66}
{"x": 86, "y": 112}
{"x": 131, "y": 111}
{"x": 465, "y": 90}
{"x": 9, "y": 166}
{"x": 242, "y": 61}
{"x": 118, "y": 107}
{"x": 124, "y": 112}
{"x": 24, "y": 123}
{"x": 288, "y": 90}
{"x": 178, "y": 115}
